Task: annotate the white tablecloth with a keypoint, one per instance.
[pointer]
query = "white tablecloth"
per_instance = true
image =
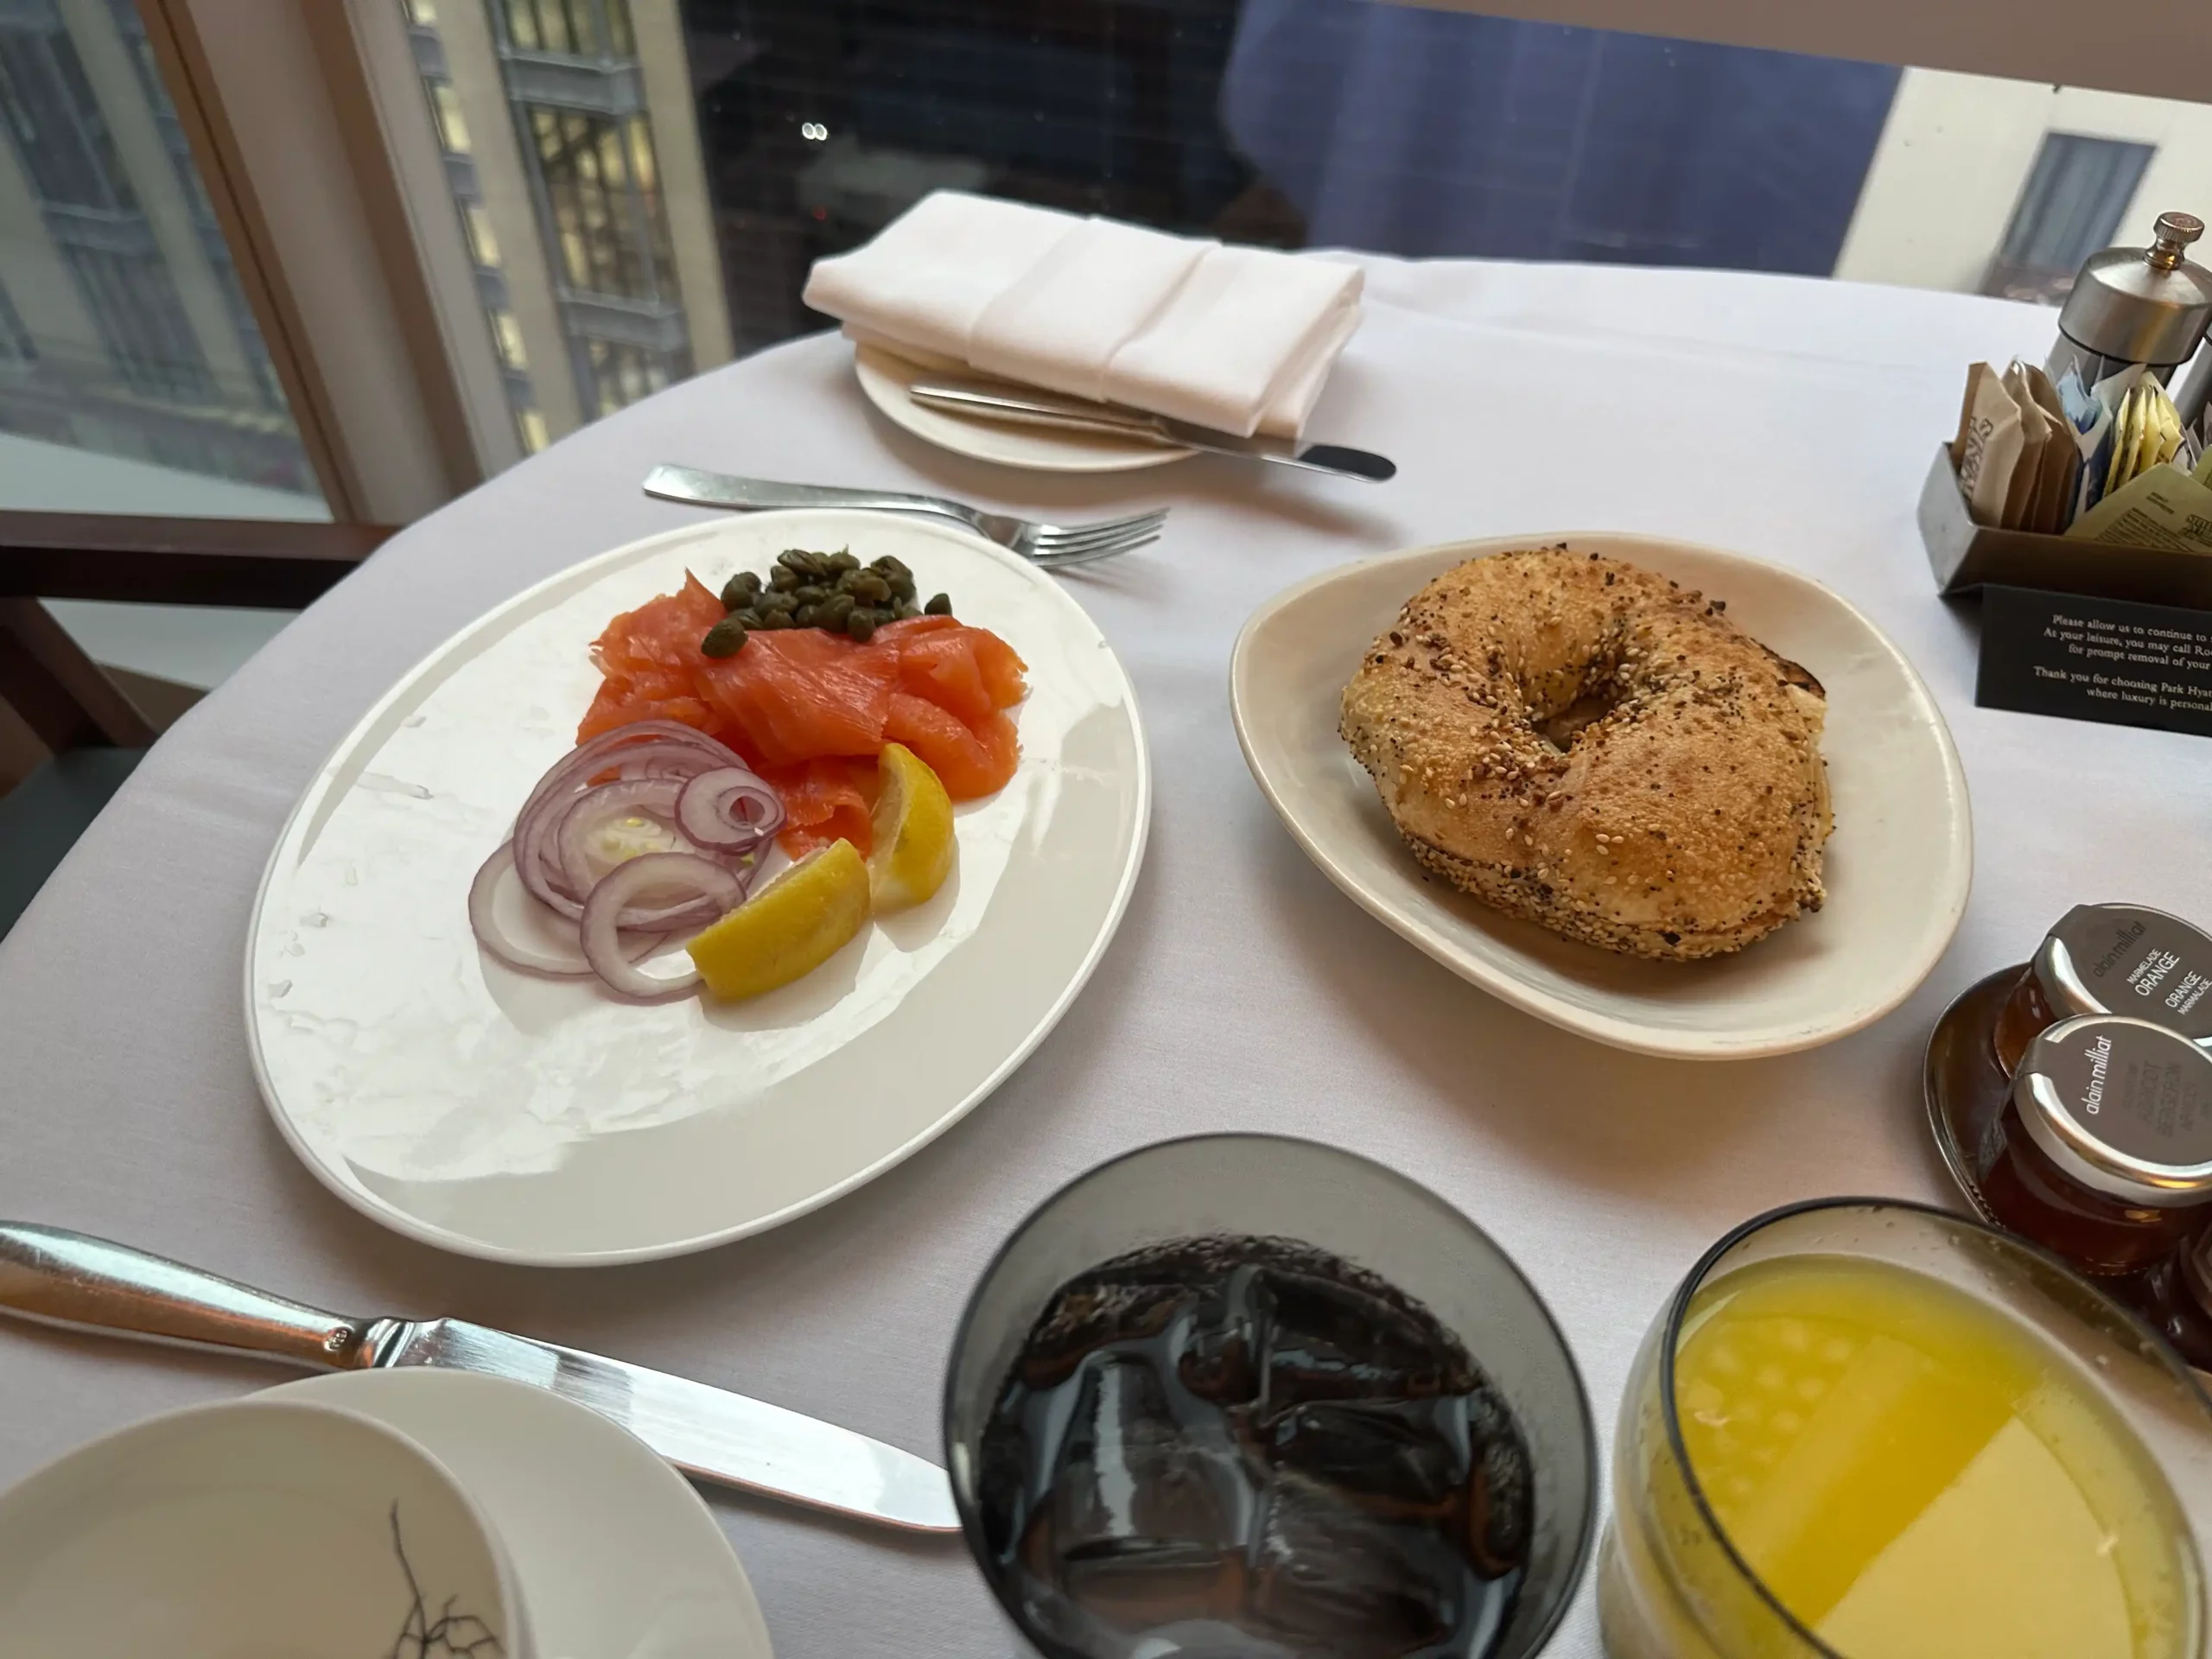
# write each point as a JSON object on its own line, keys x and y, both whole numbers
{"x": 1788, "y": 418}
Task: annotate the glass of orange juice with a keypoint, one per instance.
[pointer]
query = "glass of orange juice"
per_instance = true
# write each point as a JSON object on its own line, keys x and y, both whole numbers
{"x": 1875, "y": 1430}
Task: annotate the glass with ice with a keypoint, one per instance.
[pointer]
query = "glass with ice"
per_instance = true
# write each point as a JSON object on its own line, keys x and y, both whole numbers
{"x": 1244, "y": 1396}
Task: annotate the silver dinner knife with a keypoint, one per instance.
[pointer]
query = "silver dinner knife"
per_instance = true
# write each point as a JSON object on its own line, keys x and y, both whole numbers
{"x": 1013, "y": 406}
{"x": 66, "y": 1279}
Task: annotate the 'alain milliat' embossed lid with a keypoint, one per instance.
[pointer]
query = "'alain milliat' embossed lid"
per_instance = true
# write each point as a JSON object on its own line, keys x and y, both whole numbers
{"x": 2122, "y": 1106}
{"x": 2124, "y": 959}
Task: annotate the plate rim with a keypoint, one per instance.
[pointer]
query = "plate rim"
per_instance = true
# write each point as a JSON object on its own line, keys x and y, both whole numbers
{"x": 1613, "y": 1030}
{"x": 399, "y": 1221}
{"x": 868, "y": 371}
{"x": 680, "y": 1493}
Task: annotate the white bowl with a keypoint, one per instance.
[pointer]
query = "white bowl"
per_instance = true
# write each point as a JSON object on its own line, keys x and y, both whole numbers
{"x": 1896, "y": 868}
{"x": 252, "y": 1530}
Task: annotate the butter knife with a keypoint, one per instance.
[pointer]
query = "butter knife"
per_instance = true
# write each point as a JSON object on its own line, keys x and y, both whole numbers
{"x": 1021, "y": 406}
{"x": 59, "y": 1278}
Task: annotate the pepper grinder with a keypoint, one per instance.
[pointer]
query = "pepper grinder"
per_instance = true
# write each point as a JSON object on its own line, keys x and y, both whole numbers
{"x": 2136, "y": 305}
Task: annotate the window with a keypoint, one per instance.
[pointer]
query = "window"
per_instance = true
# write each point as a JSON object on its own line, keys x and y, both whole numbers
{"x": 483, "y": 246}
{"x": 644, "y": 189}
{"x": 125, "y": 332}
{"x": 568, "y": 222}
{"x": 453, "y": 131}
{"x": 262, "y": 383}
{"x": 579, "y": 29}
{"x": 59, "y": 129}
{"x": 17, "y": 345}
{"x": 619, "y": 374}
{"x": 602, "y": 214}
{"x": 2070, "y": 207}
{"x": 507, "y": 334}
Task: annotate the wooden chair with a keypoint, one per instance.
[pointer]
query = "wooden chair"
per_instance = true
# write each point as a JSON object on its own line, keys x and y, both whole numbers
{"x": 95, "y": 734}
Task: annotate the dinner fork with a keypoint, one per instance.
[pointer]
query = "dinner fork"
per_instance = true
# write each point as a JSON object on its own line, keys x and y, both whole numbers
{"x": 1045, "y": 544}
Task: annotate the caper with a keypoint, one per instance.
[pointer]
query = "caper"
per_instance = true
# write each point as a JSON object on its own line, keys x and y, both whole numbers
{"x": 804, "y": 615}
{"x": 811, "y": 593}
{"x": 939, "y": 605}
{"x": 740, "y": 590}
{"x": 871, "y": 587}
{"x": 861, "y": 626}
{"x": 774, "y": 619}
{"x": 794, "y": 558}
{"x": 725, "y": 638}
{"x": 831, "y": 612}
{"x": 776, "y": 599}
{"x": 891, "y": 567}
{"x": 783, "y": 579}
{"x": 903, "y": 587}
{"x": 747, "y": 617}
{"x": 842, "y": 559}
{"x": 907, "y": 610}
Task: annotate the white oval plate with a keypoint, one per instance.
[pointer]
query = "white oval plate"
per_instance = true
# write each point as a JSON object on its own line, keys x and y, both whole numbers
{"x": 539, "y": 1120}
{"x": 885, "y": 378}
{"x": 616, "y": 1554}
{"x": 1897, "y": 870}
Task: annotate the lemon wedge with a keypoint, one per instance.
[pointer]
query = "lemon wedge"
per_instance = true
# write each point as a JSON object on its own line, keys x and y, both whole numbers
{"x": 788, "y": 928}
{"x": 912, "y": 828}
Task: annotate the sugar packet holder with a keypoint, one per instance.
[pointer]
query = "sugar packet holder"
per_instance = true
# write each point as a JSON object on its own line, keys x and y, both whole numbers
{"x": 1964, "y": 556}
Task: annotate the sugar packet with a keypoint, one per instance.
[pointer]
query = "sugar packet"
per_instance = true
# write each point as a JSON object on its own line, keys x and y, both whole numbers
{"x": 2094, "y": 412}
{"x": 1987, "y": 451}
{"x": 2162, "y": 507}
{"x": 2060, "y": 464}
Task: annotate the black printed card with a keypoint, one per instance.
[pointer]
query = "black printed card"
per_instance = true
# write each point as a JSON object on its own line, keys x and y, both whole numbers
{"x": 2106, "y": 659}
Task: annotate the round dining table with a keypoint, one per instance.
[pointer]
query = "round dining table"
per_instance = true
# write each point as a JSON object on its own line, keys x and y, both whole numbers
{"x": 1788, "y": 418}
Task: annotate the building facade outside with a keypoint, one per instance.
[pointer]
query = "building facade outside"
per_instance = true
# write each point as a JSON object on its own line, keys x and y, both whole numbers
{"x": 2004, "y": 187}
{"x": 123, "y": 326}
{"x": 572, "y": 152}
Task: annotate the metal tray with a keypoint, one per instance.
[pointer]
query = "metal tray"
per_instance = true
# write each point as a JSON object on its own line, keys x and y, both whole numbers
{"x": 1964, "y": 556}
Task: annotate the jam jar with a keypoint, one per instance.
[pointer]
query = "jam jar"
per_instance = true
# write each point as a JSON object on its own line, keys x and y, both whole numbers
{"x": 2111, "y": 959}
{"x": 2103, "y": 1150}
{"x": 2176, "y": 1296}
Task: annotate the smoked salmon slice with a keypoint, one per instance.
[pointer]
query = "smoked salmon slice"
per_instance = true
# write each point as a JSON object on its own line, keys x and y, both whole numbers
{"x": 649, "y": 658}
{"x": 970, "y": 762}
{"x": 812, "y": 710}
{"x": 828, "y": 799}
{"x": 803, "y": 694}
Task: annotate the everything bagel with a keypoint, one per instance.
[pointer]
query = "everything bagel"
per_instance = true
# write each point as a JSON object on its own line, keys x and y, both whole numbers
{"x": 1578, "y": 741}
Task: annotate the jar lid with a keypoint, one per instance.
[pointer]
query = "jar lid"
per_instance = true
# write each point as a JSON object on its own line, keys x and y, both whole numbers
{"x": 2122, "y": 1106}
{"x": 2142, "y": 305}
{"x": 2124, "y": 959}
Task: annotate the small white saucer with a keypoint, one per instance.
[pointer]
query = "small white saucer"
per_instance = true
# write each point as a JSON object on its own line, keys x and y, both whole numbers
{"x": 616, "y": 1554}
{"x": 885, "y": 378}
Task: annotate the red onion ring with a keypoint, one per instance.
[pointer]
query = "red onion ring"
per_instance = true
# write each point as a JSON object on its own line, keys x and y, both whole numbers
{"x": 484, "y": 924}
{"x": 530, "y": 957}
{"x": 648, "y": 769}
{"x": 729, "y": 809}
{"x": 603, "y": 940}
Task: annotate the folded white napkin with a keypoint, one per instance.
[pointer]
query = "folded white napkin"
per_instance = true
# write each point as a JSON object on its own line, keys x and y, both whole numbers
{"x": 1237, "y": 338}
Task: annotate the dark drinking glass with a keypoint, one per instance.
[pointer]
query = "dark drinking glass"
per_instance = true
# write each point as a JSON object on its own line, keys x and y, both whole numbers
{"x": 1247, "y": 1397}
